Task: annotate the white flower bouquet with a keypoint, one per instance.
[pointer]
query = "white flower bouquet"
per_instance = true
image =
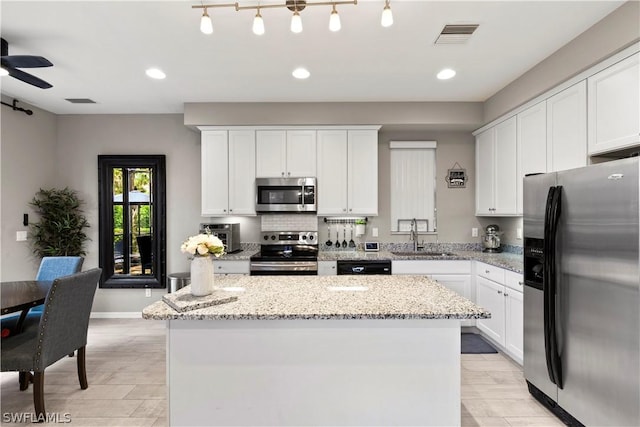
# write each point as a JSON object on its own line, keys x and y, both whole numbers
{"x": 203, "y": 245}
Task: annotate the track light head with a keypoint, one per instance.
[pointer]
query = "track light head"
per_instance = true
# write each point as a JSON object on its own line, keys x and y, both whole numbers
{"x": 334, "y": 20}
{"x": 206, "y": 26}
{"x": 296, "y": 23}
{"x": 387, "y": 15}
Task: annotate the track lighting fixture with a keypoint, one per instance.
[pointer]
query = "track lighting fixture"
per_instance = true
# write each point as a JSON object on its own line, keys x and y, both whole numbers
{"x": 387, "y": 16}
{"x": 258, "y": 24}
{"x": 296, "y": 6}
{"x": 206, "y": 26}
{"x": 296, "y": 22}
{"x": 334, "y": 20}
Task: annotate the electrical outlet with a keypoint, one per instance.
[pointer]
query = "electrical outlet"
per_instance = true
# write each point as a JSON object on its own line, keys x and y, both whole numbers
{"x": 147, "y": 293}
{"x": 374, "y": 232}
{"x": 519, "y": 233}
{"x": 21, "y": 236}
{"x": 474, "y": 232}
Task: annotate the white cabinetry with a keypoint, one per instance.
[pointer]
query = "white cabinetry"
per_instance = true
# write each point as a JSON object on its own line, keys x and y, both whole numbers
{"x": 531, "y": 147}
{"x": 567, "y": 128}
{"x": 453, "y": 275}
{"x": 286, "y": 153}
{"x": 327, "y": 268}
{"x": 347, "y": 172}
{"x": 227, "y": 172}
{"x": 614, "y": 107}
{"x": 500, "y": 292}
{"x": 496, "y": 170}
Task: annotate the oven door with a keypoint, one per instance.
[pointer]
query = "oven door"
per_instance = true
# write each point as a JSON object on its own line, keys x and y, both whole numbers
{"x": 285, "y": 195}
{"x": 283, "y": 268}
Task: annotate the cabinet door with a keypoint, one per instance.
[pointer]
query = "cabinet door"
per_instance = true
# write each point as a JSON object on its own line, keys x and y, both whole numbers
{"x": 362, "y": 172}
{"x": 332, "y": 172}
{"x": 214, "y": 173}
{"x": 301, "y": 153}
{"x": 271, "y": 153}
{"x": 532, "y": 145}
{"x": 514, "y": 324}
{"x": 459, "y": 283}
{"x": 485, "y": 165}
{"x": 614, "y": 107}
{"x": 490, "y": 295}
{"x": 505, "y": 196}
{"x": 567, "y": 128}
{"x": 327, "y": 268}
{"x": 242, "y": 177}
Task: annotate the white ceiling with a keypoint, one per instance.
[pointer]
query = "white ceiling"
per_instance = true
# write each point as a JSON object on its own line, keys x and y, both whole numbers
{"x": 100, "y": 50}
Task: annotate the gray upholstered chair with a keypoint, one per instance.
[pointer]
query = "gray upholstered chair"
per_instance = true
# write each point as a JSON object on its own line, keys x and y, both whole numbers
{"x": 62, "y": 330}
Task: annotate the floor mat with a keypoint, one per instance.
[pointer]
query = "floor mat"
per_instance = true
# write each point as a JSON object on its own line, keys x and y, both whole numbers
{"x": 475, "y": 344}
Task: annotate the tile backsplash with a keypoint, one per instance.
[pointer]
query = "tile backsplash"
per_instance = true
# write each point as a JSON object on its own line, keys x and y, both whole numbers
{"x": 289, "y": 222}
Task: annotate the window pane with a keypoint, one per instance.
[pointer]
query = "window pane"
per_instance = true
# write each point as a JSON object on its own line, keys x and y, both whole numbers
{"x": 118, "y": 241}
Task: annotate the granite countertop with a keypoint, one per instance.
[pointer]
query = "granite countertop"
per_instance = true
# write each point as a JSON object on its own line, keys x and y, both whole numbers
{"x": 506, "y": 260}
{"x": 323, "y": 297}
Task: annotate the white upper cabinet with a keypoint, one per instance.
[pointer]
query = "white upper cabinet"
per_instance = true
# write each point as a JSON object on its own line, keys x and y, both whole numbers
{"x": 228, "y": 172}
{"x": 285, "y": 153}
{"x": 532, "y": 145}
{"x": 347, "y": 172}
{"x": 614, "y": 107}
{"x": 496, "y": 170}
{"x": 567, "y": 128}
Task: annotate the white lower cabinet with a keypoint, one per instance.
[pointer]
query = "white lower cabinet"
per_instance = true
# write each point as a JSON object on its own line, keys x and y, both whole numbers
{"x": 504, "y": 299}
{"x": 453, "y": 275}
{"x": 327, "y": 268}
{"x": 231, "y": 267}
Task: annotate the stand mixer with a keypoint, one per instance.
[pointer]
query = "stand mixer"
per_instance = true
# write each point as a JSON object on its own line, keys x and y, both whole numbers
{"x": 491, "y": 239}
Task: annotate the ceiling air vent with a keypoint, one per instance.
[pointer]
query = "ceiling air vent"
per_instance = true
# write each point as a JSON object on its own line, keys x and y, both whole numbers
{"x": 455, "y": 34}
{"x": 80, "y": 100}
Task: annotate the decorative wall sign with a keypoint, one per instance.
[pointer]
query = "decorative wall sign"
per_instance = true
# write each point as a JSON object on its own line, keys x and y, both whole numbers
{"x": 456, "y": 177}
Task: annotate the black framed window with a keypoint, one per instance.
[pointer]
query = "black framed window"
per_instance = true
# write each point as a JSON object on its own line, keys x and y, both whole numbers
{"x": 132, "y": 212}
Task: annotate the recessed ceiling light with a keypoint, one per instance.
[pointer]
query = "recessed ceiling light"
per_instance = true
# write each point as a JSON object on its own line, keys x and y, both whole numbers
{"x": 301, "y": 73}
{"x": 446, "y": 74}
{"x": 3, "y": 72}
{"x": 156, "y": 73}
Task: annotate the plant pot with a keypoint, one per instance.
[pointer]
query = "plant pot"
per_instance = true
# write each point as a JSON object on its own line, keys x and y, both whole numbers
{"x": 202, "y": 276}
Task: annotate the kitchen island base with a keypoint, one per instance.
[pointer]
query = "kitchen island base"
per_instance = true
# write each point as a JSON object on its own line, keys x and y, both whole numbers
{"x": 294, "y": 372}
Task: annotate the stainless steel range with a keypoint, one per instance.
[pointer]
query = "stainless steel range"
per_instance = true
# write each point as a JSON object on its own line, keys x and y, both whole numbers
{"x": 286, "y": 253}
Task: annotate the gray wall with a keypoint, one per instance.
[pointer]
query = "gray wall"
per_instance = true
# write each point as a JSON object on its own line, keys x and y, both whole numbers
{"x": 613, "y": 33}
{"x": 28, "y": 153}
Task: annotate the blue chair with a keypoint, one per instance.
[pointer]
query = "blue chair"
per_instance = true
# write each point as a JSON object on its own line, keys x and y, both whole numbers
{"x": 62, "y": 329}
{"x": 50, "y": 269}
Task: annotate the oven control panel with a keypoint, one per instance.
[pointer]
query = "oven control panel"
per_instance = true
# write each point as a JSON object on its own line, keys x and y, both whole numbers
{"x": 289, "y": 237}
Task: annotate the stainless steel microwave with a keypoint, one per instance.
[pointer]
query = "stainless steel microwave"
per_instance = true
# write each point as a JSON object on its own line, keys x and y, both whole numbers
{"x": 285, "y": 195}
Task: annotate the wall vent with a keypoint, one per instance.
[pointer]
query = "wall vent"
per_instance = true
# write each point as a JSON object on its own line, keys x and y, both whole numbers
{"x": 456, "y": 34}
{"x": 80, "y": 100}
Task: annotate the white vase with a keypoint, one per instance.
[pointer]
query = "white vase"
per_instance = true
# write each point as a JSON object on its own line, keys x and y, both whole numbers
{"x": 202, "y": 276}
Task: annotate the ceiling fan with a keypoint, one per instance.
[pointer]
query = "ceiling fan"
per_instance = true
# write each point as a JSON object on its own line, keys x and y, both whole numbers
{"x": 11, "y": 63}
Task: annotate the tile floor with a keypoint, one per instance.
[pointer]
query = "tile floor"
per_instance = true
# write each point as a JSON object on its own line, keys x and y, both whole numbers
{"x": 126, "y": 372}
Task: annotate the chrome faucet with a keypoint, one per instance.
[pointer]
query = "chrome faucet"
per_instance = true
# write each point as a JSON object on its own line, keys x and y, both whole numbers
{"x": 413, "y": 236}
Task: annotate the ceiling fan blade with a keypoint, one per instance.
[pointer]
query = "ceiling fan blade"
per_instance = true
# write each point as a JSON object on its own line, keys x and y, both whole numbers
{"x": 25, "y": 61}
{"x": 28, "y": 78}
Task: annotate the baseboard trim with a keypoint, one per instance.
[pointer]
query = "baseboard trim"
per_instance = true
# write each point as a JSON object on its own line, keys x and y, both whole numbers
{"x": 116, "y": 315}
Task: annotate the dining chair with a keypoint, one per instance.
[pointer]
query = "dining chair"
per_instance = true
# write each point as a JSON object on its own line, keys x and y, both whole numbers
{"x": 50, "y": 269}
{"x": 62, "y": 330}
{"x": 145, "y": 249}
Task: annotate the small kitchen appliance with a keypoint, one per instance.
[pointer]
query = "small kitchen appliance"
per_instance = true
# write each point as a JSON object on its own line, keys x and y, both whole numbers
{"x": 277, "y": 195}
{"x": 286, "y": 253}
{"x": 491, "y": 239}
{"x": 229, "y": 234}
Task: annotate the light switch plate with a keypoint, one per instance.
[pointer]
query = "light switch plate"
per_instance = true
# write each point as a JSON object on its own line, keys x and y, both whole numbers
{"x": 21, "y": 236}
{"x": 519, "y": 233}
{"x": 374, "y": 232}
{"x": 474, "y": 232}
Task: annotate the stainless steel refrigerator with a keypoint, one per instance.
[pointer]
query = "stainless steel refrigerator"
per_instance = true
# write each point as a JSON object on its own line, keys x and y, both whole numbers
{"x": 582, "y": 292}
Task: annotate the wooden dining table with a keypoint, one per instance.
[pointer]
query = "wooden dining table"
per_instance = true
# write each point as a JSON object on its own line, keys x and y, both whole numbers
{"x": 21, "y": 296}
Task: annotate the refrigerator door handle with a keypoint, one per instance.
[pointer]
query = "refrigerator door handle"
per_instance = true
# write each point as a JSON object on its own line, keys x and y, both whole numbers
{"x": 552, "y": 218}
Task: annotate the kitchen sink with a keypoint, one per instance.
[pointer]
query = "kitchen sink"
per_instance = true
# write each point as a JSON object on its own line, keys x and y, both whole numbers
{"x": 423, "y": 254}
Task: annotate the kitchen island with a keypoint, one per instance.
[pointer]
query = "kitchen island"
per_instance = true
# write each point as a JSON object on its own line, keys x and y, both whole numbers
{"x": 310, "y": 350}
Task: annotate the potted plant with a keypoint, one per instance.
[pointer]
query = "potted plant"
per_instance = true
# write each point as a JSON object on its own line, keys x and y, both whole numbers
{"x": 60, "y": 231}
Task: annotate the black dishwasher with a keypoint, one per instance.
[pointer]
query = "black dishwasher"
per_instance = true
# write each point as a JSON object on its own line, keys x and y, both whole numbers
{"x": 364, "y": 267}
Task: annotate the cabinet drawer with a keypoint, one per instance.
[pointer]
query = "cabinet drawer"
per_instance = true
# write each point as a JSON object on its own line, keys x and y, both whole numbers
{"x": 430, "y": 267}
{"x": 490, "y": 272}
{"x": 231, "y": 267}
{"x": 514, "y": 280}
